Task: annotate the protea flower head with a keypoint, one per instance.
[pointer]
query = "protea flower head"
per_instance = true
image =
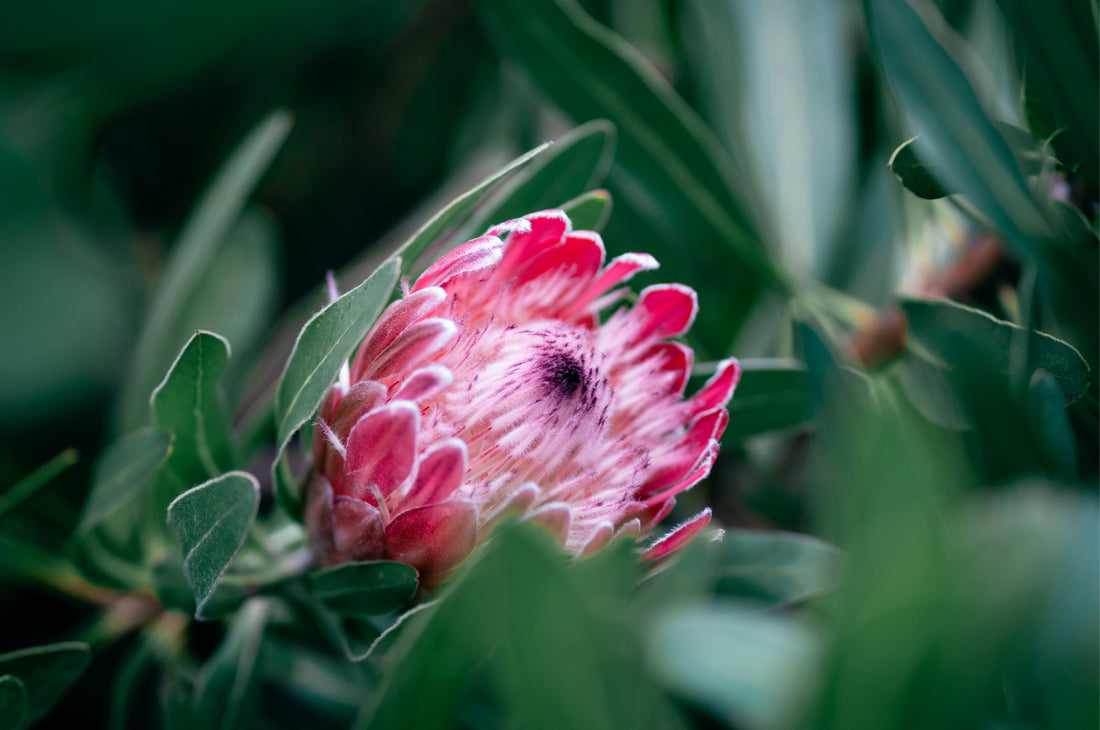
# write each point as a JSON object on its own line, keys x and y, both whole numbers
{"x": 491, "y": 387}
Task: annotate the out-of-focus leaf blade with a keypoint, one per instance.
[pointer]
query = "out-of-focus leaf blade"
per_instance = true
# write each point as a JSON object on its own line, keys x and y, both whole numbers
{"x": 1062, "y": 59}
{"x": 541, "y": 613}
{"x": 934, "y": 325}
{"x": 771, "y": 395}
{"x": 365, "y": 588}
{"x": 226, "y": 688}
{"x": 239, "y": 293}
{"x": 455, "y": 211}
{"x": 746, "y": 665}
{"x": 187, "y": 404}
{"x": 956, "y": 137}
{"x": 122, "y": 471}
{"x": 132, "y": 670}
{"x": 322, "y": 347}
{"x": 663, "y": 145}
{"x": 576, "y": 162}
{"x": 211, "y": 522}
{"x": 915, "y": 175}
{"x": 775, "y": 82}
{"x": 589, "y": 211}
{"x": 14, "y": 712}
{"x": 46, "y": 672}
{"x": 779, "y": 567}
{"x": 41, "y": 476}
{"x": 219, "y": 208}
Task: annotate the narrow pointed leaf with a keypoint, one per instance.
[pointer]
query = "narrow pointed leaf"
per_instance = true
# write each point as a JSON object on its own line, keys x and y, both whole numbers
{"x": 455, "y": 211}
{"x": 165, "y": 327}
{"x": 1063, "y": 57}
{"x": 589, "y": 211}
{"x": 671, "y": 159}
{"x": 122, "y": 472}
{"x": 41, "y": 476}
{"x": 46, "y": 672}
{"x": 957, "y": 138}
{"x": 211, "y": 522}
{"x": 575, "y": 162}
{"x": 323, "y": 345}
{"x": 226, "y": 688}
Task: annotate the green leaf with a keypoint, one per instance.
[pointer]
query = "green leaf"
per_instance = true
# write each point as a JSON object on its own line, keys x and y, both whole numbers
{"x": 1055, "y": 436}
{"x": 1062, "y": 56}
{"x": 211, "y": 522}
{"x": 748, "y": 666}
{"x": 506, "y": 627}
{"x": 122, "y": 471}
{"x": 187, "y": 404}
{"x": 133, "y": 669}
{"x": 454, "y": 212}
{"x": 956, "y": 137}
{"x": 323, "y": 346}
{"x": 776, "y": 83}
{"x": 1032, "y": 158}
{"x": 166, "y": 325}
{"x": 778, "y": 567}
{"x": 14, "y": 711}
{"x": 365, "y": 588}
{"x": 41, "y": 476}
{"x": 664, "y": 148}
{"x": 575, "y": 162}
{"x": 46, "y": 672}
{"x": 315, "y": 680}
{"x": 771, "y": 395}
{"x": 226, "y": 688}
{"x": 935, "y": 324}
{"x": 589, "y": 211}
{"x": 239, "y": 293}
{"x": 916, "y": 176}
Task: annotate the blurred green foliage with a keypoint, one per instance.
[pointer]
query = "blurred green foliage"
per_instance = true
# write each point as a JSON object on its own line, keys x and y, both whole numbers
{"x": 889, "y": 209}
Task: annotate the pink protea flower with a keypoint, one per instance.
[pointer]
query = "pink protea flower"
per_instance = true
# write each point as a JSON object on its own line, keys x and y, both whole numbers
{"x": 492, "y": 387}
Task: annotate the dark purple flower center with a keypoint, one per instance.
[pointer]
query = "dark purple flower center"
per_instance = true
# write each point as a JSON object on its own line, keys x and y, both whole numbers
{"x": 565, "y": 374}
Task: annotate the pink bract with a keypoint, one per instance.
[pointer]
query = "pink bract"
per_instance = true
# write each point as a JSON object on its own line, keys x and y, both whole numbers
{"x": 491, "y": 388}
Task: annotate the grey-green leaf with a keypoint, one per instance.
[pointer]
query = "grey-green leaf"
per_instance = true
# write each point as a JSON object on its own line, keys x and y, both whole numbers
{"x": 1060, "y": 44}
{"x": 957, "y": 139}
{"x": 122, "y": 471}
{"x": 191, "y": 257}
{"x": 589, "y": 211}
{"x": 455, "y": 211}
{"x": 46, "y": 672}
{"x": 576, "y": 162}
{"x": 777, "y": 567}
{"x": 746, "y": 665}
{"x": 365, "y": 588}
{"x": 14, "y": 711}
{"x": 187, "y": 404}
{"x": 211, "y": 522}
{"x": 323, "y": 345}
{"x": 669, "y": 155}
{"x": 41, "y": 476}
{"x": 771, "y": 395}
{"x": 226, "y": 688}
{"x": 934, "y": 323}
{"x": 916, "y": 176}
